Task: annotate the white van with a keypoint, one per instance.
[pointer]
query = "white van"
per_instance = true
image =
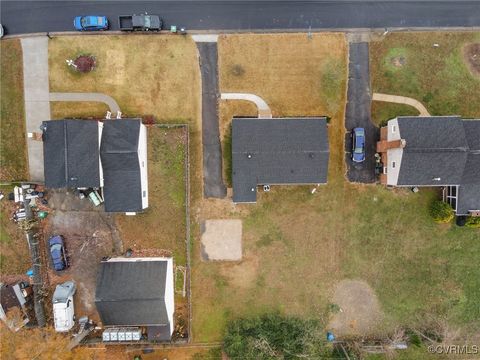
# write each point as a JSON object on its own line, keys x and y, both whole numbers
{"x": 63, "y": 311}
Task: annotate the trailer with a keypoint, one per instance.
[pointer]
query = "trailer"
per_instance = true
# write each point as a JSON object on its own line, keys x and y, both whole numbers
{"x": 142, "y": 22}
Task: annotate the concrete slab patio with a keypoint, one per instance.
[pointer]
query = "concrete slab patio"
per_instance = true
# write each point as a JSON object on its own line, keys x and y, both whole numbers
{"x": 37, "y": 98}
{"x": 222, "y": 240}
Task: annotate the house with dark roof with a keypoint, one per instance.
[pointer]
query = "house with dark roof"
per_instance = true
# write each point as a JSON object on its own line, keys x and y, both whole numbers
{"x": 109, "y": 155}
{"x": 137, "y": 292}
{"x": 434, "y": 151}
{"x": 286, "y": 151}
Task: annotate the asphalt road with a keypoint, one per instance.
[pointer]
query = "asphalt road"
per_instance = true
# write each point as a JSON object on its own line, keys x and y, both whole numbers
{"x": 358, "y": 114}
{"x": 212, "y": 151}
{"x": 42, "y": 16}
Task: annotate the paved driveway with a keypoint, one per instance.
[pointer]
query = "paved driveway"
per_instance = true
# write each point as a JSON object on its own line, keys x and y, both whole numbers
{"x": 358, "y": 114}
{"x": 212, "y": 152}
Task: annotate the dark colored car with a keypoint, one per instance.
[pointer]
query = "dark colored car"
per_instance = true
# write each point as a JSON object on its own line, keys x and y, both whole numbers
{"x": 90, "y": 23}
{"x": 57, "y": 253}
{"x": 358, "y": 145}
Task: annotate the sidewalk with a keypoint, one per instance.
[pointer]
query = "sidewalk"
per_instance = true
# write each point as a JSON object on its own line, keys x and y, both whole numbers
{"x": 37, "y": 98}
{"x": 402, "y": 100}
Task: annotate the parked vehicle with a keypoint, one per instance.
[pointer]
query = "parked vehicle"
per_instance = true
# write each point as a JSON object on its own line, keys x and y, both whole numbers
{"x": 358, "y": 145}
{"x": 57, "y": 253}
{"x": 142, "y": 22}
{"x": 63, "y": 310}
{"x": 2, "y": 31}
{"x": 90, "y": 23}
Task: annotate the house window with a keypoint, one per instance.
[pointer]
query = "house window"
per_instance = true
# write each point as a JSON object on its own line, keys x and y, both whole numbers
{"x": 144, "y": 193}
{"x": 393, "y": 164}
{"x": 394, "y": 129}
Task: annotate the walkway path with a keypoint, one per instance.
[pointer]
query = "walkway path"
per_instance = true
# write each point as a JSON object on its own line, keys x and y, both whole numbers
{"x": 93, "y": 97}
{"x": 263, "y": 108}
{"x": 37, "y": 98}
{"x": 213, "y": 185}
{"x": 402, "y": 100}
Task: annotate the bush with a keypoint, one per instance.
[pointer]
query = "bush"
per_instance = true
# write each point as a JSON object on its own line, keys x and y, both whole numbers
{"x": 473, "y": 222}
{"x": 274, "y": 336}
{"x": 441, "y": 211}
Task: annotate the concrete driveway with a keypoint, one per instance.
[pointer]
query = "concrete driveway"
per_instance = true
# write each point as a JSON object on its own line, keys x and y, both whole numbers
{"x": 358, "y": 114}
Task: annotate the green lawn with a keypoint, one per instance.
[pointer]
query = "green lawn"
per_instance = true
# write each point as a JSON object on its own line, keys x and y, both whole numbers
{"x": 408, "y": 64}
{"x": 13, "y": 152}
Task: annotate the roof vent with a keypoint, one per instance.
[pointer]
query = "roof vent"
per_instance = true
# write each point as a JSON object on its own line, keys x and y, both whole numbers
{"x": 253, "y": 189}
{"x": 249, "y": 156}
{"x": 436, "y": 179}
{"x": 311, "y": 155}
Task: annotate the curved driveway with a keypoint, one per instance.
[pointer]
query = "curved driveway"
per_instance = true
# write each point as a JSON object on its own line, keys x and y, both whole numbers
{"x": 41, "y": 16}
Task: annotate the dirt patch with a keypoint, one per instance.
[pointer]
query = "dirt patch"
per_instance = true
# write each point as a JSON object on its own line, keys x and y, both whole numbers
{"x": 471, "y": 56}
{"x": 399, "y": 61}
{"x": 358, "y": 312}
{"x": 243, "y": 274}
{"x": 89, "y": 236}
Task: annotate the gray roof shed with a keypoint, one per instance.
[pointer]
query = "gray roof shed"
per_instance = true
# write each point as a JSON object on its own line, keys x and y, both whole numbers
{"x": 132, "y": 293}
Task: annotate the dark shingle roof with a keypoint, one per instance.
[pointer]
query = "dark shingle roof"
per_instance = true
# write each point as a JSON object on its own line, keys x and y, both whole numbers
{"x": 468, "y": 198}
{"x": 436, "y": 147}
{"x": 71, "y": 153}
{"x": 120, "y": 163}
{"x": 472, "y": 132}
{"x": 277, "y": 151}
{"x": 132, "y": 293}
{"x": 442, "y": 147}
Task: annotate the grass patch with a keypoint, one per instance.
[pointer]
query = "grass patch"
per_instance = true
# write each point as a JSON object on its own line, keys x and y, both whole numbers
{"x": 67, "y": 109}
{"x": 227, "y": 156}
{"x": 13, "y": 147}
{"x": 14, "y": 255}
{"x": 384, "y": 111}
{"x": 146, "y": 75}
{"x": 162, "y": 225}
{"x": 408, "y": 64}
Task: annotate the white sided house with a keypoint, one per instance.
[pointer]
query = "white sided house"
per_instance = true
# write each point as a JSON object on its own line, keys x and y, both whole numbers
{"x": 137, "y": 292}
{"x": 108, "y": 155}
{"x": 434, "y": 151}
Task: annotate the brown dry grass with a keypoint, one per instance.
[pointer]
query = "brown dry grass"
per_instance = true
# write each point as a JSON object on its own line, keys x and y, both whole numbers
{"x": 146, "y": 75}
{"x": 295, "y": 75}
{"x": 66, "y": 109}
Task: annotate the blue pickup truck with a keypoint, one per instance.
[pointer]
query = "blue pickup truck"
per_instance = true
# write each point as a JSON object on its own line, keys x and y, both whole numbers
{"x": 90, "y": 23}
